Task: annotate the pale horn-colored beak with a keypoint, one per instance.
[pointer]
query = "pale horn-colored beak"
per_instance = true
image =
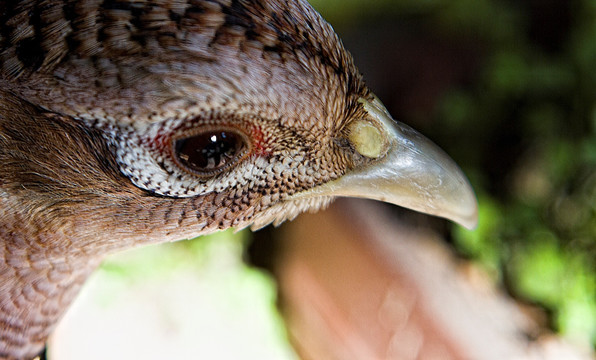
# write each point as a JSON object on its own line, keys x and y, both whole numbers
{"x": 405, "y": 169}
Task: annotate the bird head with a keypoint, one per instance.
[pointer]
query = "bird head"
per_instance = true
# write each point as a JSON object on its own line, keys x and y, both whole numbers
{"x": 254, "y": 105}
{"x": 125, "y": 122}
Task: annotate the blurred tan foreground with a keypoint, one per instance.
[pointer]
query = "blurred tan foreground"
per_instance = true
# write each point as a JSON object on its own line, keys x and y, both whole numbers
{"x": 370, "y": 288}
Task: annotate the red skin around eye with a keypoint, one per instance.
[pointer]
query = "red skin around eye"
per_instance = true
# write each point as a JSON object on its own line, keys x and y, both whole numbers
{"x": 259, "y": 145}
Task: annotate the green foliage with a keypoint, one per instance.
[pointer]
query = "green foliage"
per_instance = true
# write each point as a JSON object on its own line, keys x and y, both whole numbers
{"x": 537, "y": 213}
{"x": 559, "y": 279}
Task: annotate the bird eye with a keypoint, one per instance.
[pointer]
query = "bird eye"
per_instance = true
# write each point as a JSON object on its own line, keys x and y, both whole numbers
{"x": 210, "y": 152}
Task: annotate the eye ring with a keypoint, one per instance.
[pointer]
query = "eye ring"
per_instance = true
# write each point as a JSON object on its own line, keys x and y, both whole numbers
{"x": 211, "y": 150}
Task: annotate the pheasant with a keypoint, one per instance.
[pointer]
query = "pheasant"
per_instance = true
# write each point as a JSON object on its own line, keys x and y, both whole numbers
{"x": 124, "y": 123}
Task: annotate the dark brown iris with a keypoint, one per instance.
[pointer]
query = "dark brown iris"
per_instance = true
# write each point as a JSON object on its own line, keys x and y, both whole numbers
{"x": 210, "y": 152}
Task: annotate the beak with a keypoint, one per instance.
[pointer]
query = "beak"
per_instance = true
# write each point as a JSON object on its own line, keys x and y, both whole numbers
{"x": 405, "y": 169}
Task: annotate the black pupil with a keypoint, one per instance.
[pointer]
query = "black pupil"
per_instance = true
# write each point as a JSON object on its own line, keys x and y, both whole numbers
{"x": 208, "y": 151}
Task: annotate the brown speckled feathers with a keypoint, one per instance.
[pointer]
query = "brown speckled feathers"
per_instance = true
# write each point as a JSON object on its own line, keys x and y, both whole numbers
{"x": 134, "y": 54}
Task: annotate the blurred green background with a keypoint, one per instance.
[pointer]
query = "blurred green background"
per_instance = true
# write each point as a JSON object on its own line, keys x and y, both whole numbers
{"x": 508, "y": 88}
